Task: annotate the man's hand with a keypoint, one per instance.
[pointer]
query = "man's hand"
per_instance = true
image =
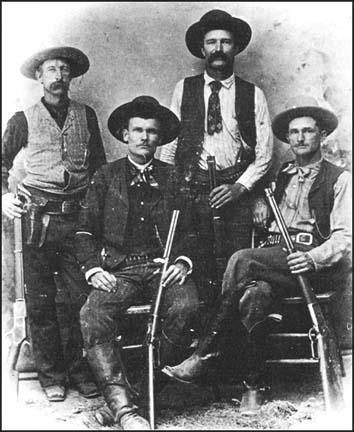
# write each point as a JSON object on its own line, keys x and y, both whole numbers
{"x": 260, "y": 213}
{"x": 300, "y": 262}
{"x": 226, "y": 193}
{"x": 12, "y": 206}
{"x": 175, "y": 273}
{"x": 104, "y": 281}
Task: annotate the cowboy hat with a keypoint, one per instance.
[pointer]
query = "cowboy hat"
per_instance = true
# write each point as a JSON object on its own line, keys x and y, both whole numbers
{"x": 303, "y": 106}
{"x": 79, "y": 63}
{"x": 145, "y": 107}
{"x": 217, "y": 20}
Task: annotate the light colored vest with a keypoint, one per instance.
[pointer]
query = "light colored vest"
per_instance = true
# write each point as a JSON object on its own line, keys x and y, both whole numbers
{"x": 56, "y": 160}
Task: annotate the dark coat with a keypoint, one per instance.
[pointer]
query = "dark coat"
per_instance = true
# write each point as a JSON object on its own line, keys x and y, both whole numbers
{"x": 105, "y": 214}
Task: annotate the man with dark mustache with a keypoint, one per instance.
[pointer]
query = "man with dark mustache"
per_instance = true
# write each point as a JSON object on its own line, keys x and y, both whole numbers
{"x": 122, "y": 232}
{"x": 62, "y": 147}
{"x": 226, "y": 117}
{"x": 314, "y": 197}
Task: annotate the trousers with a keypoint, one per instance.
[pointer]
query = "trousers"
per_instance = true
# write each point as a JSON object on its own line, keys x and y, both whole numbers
{"x": 55, "y": 292}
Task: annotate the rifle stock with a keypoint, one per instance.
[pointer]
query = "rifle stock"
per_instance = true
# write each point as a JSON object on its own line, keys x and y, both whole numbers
{"x": 152, "y": 326}
{"x": 326, "y": 341}
{"x": 218, "y": 226}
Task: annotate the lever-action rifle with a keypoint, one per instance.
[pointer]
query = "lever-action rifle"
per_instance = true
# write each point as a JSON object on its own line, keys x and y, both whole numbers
{"x": 20, "y": 353}
{"x": 326, "y": 342}
{"x": 218, "y": 227}
{"x": 152, "y": 326}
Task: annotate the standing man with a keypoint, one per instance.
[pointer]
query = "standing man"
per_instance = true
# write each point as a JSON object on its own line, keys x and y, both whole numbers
{"x": 314, "y": 197}
{"x": 226, "y": 117}
{"x": 63, "y": 147}
{"x": 122, "y": 233}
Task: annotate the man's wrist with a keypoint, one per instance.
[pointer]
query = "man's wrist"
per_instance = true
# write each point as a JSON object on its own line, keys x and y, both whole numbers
{"x": 91, "y": 272}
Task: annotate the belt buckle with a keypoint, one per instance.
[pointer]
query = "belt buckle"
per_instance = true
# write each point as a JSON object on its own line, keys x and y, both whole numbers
{"x": 66, "y": 206}
{"x": 304, "y": 238}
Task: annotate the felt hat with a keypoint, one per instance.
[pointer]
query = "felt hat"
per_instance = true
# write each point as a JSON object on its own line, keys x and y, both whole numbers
{"x": 217, "y": 20}
{"x": 145, "y": 107}
{"x": 303, "y": 106}
{"x": 79, "y": 63}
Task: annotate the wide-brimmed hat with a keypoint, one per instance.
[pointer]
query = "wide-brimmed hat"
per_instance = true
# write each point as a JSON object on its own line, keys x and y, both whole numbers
{"x": 217, "y": 20}
{"x": 79, "y": 63}
{"x": 145, "y": 107}
{"x": 303, "y": 106}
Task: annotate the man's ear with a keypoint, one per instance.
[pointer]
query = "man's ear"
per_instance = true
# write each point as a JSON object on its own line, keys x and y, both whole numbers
{"x": 323, "y": 135}
{"x": 125, "y": 134}
{"x": 38, "y": 75}
{"x": 202, "y": 51}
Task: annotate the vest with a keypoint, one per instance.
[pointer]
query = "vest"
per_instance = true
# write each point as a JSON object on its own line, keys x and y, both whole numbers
{"x": 321, "y": 196}
{"x": 56, "y": 160}
{"x": 191, "y": 138}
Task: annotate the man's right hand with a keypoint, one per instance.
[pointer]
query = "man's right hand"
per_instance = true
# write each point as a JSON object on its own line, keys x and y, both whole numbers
{"x": 11, "y": 206}
{"x": 104, "y": 281}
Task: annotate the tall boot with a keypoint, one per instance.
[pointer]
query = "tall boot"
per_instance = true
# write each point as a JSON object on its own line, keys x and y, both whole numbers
{"x": 107, "y": 366}
{"x": 201, "y": 360}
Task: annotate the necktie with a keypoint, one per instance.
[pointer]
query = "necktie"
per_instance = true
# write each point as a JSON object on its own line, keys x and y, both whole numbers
{"x": 302, "y": 173}
{"x": 144, "y": 176}
{"x": 214, "y": 123}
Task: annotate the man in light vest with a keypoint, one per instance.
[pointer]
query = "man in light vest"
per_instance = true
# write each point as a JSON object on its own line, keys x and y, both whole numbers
{"x": 62, "y": 148}
{"x": 226, "y": 117}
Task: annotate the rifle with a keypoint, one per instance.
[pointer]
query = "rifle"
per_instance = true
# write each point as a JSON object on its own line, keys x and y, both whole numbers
{"x": 20, "y": 353}
{"x": 151, "y": 332}
{"x": 218, "y": 226}
{"x": 326, "y": 342}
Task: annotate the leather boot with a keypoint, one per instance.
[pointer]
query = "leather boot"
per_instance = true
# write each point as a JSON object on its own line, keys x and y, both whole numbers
{"x": 108, "y": 368}
{"x": 190, "y": 369}
{"x": 200, "y": 361}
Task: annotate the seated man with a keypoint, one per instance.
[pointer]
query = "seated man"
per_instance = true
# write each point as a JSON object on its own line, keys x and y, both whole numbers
{"x": 122, "y": 232}
{"x": 315, "y": 198}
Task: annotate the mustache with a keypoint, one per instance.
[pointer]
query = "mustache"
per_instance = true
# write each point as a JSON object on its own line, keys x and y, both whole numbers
{"x": 219, "y": 55}
{"x": 58, "y": 84}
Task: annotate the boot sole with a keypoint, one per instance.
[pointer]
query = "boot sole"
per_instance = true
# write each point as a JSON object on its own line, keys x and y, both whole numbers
{"x": 170, "y": 374}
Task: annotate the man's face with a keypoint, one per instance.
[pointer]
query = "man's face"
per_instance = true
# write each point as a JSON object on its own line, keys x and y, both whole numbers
{"x": 219, "y": 49}
{"x": 55, "y": 76}
{"x": 142, "y": 136}
{"x": 305, "y": 136}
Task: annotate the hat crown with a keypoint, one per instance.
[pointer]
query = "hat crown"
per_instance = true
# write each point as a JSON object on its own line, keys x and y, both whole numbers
{"x": 300, "y": 101}
{"x": 144, "y": 101}
{"x": 215, "y": 16}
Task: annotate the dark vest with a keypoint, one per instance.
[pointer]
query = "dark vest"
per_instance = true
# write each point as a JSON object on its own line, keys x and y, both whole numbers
{"x": 190, "y": 140}
{"x": 321, "y": 195}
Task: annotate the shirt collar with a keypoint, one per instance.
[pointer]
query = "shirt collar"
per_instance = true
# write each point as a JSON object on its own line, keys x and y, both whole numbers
{"x": 292, "y": 167}
{"x": 139, "y": 166}
{"x": 227, "y": 82}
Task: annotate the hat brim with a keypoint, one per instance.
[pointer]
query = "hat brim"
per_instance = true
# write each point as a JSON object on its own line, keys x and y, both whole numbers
{"x": 79, "y": 63}
{"x": 170, "y": 125}
{"x": 240, "y": 29}
{"x": 280, "y": 125}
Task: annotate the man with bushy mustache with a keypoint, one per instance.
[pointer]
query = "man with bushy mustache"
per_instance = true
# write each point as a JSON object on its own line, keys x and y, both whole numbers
{"x": 226, "y": 117}
{"x": 62, "y": 148}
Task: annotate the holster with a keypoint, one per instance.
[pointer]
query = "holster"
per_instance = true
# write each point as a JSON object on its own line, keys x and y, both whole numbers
{"x": 35, "y": 222}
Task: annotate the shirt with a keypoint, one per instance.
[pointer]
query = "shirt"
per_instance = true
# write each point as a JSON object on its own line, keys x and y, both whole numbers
{"x": 16, "y": 135}
{"x": 227, "y": 144}
{"x": 294, "y": 207}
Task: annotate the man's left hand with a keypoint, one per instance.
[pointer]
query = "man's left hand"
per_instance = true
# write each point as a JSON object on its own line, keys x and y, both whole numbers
{"x": 226, "y": 193}
{"x": 175, "y": 273}
{"x": 300, "y": 262}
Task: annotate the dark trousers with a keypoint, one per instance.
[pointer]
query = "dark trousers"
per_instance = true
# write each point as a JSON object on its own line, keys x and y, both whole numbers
{"x": 103, "y": 312}
{"x": 237, "y": 229}
{"x": 254, "y": 283}
{"x": 55, "y": 292}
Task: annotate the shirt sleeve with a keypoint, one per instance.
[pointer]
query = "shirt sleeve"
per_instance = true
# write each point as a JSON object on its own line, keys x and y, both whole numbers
{"x": 339, "y": 243}
{"x": 264, "y": 145}
{"x": 97, "y": 154}
{"x": 15, "y": 137}
{"x": 168, "y": 151}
